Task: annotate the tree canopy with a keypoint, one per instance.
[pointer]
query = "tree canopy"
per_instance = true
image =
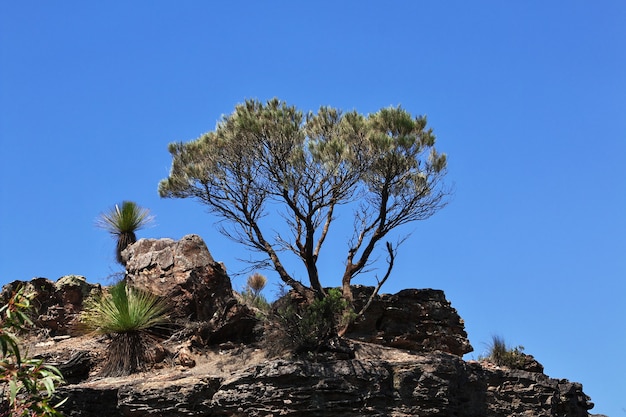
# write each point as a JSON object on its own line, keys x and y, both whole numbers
{"x": 267, "y": 154}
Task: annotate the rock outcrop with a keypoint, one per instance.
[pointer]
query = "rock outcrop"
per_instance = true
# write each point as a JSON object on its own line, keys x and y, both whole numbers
{"x": 406, "y": 361}
{"x": 198, "y": 288}
{"x": 418, "y": 320}
{"x": 437, "y": 384}
{"x": 55, "y": 305}
{"x": 183, "y": 272}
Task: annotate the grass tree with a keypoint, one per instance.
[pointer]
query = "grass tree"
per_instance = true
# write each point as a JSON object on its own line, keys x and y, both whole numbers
{"x": 122, "y": 222}
{"x": 128, "y": 316}
{"x": 252, "y": 292}
{"x": 255, "y": 284}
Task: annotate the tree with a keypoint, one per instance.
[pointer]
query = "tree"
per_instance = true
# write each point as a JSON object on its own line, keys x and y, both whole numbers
{"x": 267, "y": 154}
{"x": 123, "y": 223}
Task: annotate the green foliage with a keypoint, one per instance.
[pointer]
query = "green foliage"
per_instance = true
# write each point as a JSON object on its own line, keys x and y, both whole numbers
{"x": 308, "y": 327}
{"x": 128, "y": 316}
{"x": 502, "y": 355}
{"x": 122, "y": 222}
{"x": 31, "y": 383}
{"x": 257, "y": 301}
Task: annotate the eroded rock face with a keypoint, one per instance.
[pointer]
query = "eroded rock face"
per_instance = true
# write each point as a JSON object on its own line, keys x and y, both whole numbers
{"x": 431, "y": 385}
{"x": 419, "y": 320}
{"x": 55, "y": 305}
{"x": 183, "y": 272}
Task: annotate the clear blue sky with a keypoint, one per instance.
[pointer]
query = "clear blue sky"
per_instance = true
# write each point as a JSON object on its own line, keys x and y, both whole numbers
{"x": 527, "y": 98}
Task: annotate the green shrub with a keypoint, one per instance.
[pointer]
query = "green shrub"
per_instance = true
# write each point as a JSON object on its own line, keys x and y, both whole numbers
{"x": 28, "y": 384}
{"x": 501, "y": 355}
{"x": 257, "y": 301}
{"x": 308, "y": 327}
{"x": 128, "y": 316}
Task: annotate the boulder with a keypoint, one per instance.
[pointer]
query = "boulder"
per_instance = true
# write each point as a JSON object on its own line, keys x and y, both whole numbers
{"x": 183, "y": 272}
{"x": 419, "y": 320}
{"x": 73, "y": 290}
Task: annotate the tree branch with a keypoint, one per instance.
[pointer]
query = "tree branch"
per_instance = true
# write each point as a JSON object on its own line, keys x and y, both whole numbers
{"x": 390, "y": 261}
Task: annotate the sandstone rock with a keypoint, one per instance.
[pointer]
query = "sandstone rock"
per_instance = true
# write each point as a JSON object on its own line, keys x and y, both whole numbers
{"x": 73, "y": 290}
{"x": 237, "y": 324}
{"x": 419, "y": 320}
{"x": 197, "y": 287}
{"x": 42, "y": 290}
{"x": 530, "y": 364}
{"x": 182, "y": 271}
{"x": 55, "y": 306}
{"x": 382, "y": 381}
{"x": 76, "y": 368}
{"x": 436, "y": 384}
{"x": 185, "y": 358}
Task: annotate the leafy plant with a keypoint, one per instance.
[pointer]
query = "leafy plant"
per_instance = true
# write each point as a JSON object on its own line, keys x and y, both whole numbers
{"x": 122, "y": 222}
{"x": 31, "y": 383}
{"x": 128, "y": 316}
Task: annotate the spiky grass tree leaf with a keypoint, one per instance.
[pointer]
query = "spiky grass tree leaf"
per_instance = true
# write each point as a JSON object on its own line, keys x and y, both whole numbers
{"x": 122, "y": 222}
{"x": 129, "y": 217}
{"x": 125, "y": 309}
{"x": 127, "y": 315}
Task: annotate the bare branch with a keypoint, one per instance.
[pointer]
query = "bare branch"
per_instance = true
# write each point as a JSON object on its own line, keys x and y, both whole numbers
{"x": 390, "y": 261}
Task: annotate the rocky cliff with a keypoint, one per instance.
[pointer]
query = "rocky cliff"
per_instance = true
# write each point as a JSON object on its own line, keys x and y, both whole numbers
{"x": 437, "y": 384}
{"x": 406, "y": 361}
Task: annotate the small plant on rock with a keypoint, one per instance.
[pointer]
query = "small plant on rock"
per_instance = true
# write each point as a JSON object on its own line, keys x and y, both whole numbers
{"x": 502, "y": 355}
{"x": 122, "y": 222}
{"x": 28, "y": 385}
{"x": 252, "y": 293}
{"x": 128, "y": 316}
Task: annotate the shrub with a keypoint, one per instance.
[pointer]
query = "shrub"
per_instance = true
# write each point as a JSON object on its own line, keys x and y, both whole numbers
{"x": 31, "y": 383}
{"x": 501, "y": 355}
{"x": 128, "y": 316}
{"x": 252, "y": 296}
{"x": 308, "y": 327}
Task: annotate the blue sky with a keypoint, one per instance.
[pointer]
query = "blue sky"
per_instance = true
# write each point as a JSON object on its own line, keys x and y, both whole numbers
{"x": 528, "y": 99}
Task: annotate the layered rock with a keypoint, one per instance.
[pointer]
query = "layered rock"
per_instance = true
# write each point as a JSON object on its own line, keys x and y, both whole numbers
{"x": 431, "y": 385}
{"x": 55, "y": 305}
{"x": 418, "y": 320}
{"x": 407, "y": 355}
